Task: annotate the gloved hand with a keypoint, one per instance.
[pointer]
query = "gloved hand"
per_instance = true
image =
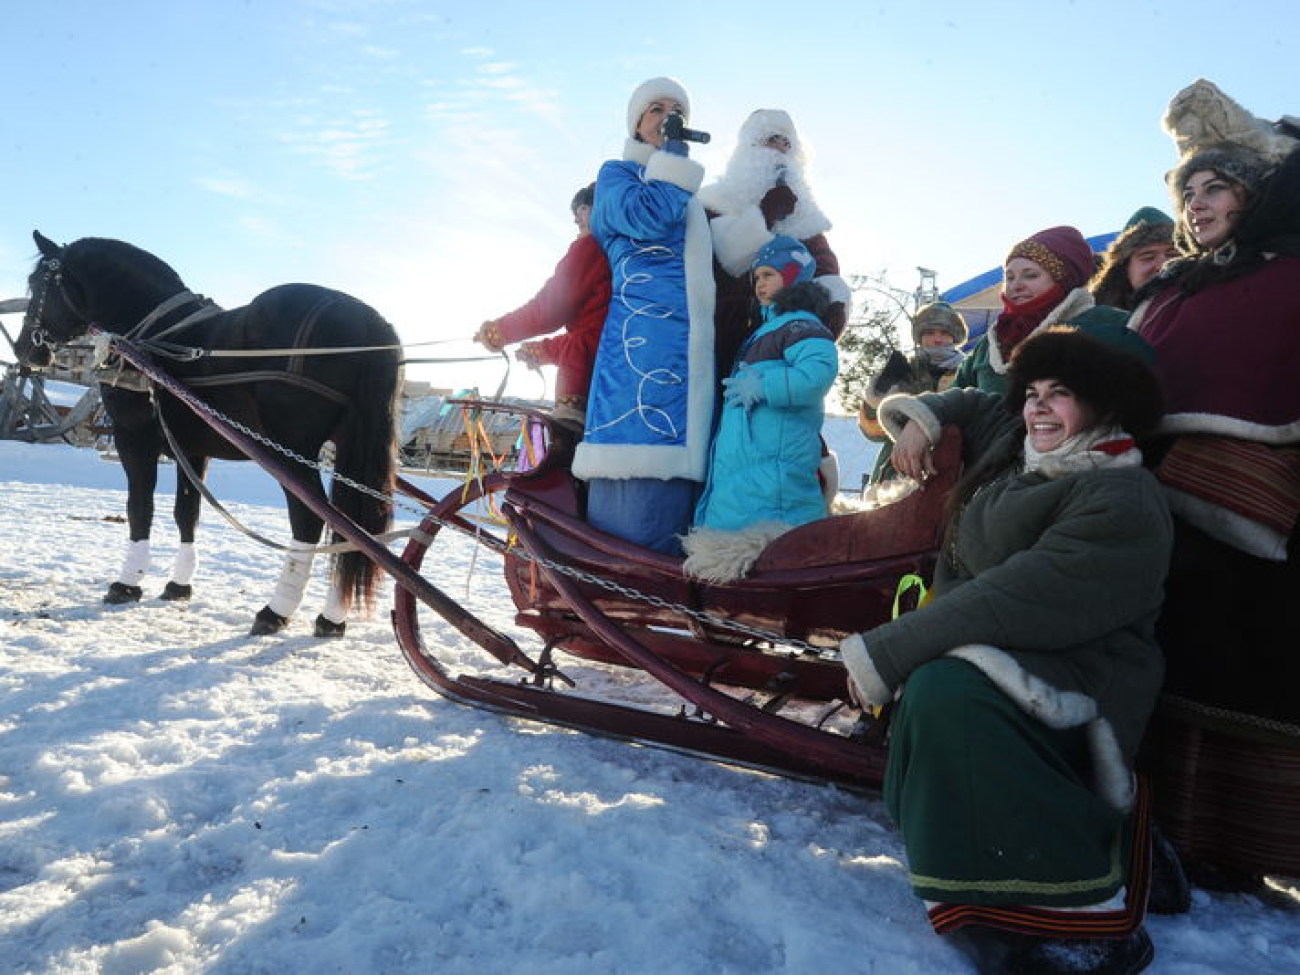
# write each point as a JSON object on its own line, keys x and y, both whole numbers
{"x": 897, "y": 369}
{"x": 777, "y": 204}
{"x": 530, "y": 354}
{"x": 489, "y": 336}
{"x": 745, "y": 388}
{"x": 677, "y": 147}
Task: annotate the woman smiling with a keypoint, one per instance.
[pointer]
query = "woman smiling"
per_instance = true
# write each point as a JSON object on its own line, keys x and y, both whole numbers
{"x": 1043, "y": 284}
{"x": 1027, "y": 681}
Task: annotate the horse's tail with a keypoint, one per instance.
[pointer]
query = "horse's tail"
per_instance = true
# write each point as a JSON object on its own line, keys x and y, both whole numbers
{"x": 366, "y": 452}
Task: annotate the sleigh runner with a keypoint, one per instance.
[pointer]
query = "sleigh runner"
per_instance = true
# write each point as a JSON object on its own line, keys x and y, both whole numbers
{"x": 750, "y": 665}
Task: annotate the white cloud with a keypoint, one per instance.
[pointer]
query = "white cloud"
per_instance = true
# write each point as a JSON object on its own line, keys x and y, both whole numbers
{"x": 234, "y": 187}
{"x": 350, "y": 147}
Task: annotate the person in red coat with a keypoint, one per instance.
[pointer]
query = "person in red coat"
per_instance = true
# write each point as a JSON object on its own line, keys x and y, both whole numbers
{"x": 576, "y": 298}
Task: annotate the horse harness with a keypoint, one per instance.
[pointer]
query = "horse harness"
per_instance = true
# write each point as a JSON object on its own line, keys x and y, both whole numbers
{"x": 115, "y": 372}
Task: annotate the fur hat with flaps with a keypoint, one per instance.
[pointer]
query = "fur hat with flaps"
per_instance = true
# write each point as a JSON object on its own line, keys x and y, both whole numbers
{"x": 1061, "y": 252}
{"x": 668, "y": 89}
{"x": 940, "y": 315}
{"x": 1115, "y": 383}
{"x": 1201, "y": 116}
{"x": 1235, "y": 162}
{"x": 1147, "y": 227}
{"x": 1213, "y": 132}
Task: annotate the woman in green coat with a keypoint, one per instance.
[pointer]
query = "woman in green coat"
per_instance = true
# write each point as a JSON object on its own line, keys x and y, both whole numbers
{"x": 1026, "y": 682}
{"x": 1044, "y": 285}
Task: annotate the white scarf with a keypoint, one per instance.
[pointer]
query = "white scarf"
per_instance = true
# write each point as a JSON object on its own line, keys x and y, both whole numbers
{"x": 1088, "y": 450}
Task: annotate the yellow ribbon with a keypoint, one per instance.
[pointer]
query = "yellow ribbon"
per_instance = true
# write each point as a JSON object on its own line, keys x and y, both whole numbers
{"x": 907, "y": 584}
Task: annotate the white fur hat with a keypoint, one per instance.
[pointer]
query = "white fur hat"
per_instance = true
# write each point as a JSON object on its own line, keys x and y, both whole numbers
{"x": 1201, "y": 116}
{"x": 765, "y": 122}
{"x": 652, "y": 90}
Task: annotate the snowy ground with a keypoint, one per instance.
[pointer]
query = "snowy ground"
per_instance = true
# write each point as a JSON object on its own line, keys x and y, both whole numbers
{"x": 178, "y": 797}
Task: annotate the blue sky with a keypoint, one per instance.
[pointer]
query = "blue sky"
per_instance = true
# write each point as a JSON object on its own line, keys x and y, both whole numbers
{"x": 421, "y": 155}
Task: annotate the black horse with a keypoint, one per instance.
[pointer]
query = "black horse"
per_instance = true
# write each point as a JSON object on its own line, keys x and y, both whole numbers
{"x": 298, "y": 401}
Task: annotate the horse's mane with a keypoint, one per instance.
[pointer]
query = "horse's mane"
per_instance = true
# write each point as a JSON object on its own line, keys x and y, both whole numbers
{"x": 123, "y": 262}
{"x": 116, "y": 282}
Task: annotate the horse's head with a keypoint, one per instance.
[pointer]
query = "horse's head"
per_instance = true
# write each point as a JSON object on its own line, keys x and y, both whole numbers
{"x": 91, "y": 281}
{"x": 50, "y": 319}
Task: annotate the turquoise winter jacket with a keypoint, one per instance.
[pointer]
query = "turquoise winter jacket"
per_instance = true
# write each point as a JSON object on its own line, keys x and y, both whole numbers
{"x": 764, "y": 460}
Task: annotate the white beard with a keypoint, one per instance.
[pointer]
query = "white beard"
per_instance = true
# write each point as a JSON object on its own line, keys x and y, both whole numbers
{"x": 750, "y": 173}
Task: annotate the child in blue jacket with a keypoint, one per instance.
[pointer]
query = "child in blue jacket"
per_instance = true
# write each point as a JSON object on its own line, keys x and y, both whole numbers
{"x": 765, "y": 455}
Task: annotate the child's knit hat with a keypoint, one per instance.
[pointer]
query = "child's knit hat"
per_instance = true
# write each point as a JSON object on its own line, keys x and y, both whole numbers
{"x": 787, "y": 255}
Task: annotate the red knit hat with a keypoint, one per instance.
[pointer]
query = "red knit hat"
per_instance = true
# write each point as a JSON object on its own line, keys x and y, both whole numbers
{"x": 1061, "y": 252}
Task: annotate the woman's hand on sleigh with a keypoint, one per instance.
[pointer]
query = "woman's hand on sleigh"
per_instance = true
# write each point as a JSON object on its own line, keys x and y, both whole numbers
{"x": 913, "y": 454}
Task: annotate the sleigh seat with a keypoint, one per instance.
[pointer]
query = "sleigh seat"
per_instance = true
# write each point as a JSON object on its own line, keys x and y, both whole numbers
{"x": 911, "y": 524}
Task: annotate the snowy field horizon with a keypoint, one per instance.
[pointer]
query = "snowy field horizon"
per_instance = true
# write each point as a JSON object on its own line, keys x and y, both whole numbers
{"x": 177, "y": 797}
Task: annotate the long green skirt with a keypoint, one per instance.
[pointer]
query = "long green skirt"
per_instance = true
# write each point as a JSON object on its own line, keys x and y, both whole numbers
{"x": 995, "y": 807}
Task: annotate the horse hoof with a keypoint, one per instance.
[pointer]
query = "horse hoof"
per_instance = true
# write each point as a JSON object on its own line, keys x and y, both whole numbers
{"x": 326, "y": 627}
{"x": 120, "y": 592}
{"x": 174, "y": 590}
{"x": 268, "y": 621}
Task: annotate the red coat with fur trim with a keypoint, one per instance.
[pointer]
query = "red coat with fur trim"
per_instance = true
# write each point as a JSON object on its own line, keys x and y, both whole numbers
{"x": 577, "y": 298}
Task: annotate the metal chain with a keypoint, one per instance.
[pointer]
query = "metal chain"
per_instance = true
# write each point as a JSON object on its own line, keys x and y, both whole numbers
{"x": 699, "y": 616}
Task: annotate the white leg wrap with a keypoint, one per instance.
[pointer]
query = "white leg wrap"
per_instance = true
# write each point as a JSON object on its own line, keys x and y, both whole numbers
{"x": 293, "y": 579}
{"x": 185, "y": 563}
{"x": 135, "y": 564}
{"x": 334, "y": 610}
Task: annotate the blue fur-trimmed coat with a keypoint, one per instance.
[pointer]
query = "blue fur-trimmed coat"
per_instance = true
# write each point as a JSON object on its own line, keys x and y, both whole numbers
{"x": 764, "y": 460}
{"x": 650, "y": 407}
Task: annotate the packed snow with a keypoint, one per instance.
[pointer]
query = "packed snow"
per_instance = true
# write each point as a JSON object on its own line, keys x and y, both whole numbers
{"x": 177, "y": 797}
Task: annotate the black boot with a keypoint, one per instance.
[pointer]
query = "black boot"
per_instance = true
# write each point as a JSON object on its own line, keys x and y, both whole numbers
{"x": 1170, "y": 891}
{"x": 1224, "y": 879}
{"x": 1005, "y": 953}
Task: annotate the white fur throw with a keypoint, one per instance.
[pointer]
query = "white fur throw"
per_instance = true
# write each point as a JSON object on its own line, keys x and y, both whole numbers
{"x": 722, "y": 556}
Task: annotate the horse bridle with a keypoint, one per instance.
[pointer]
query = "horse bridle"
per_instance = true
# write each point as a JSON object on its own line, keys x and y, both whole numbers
{"x": 39, "y": 334}
{"x": 53, "y": 267}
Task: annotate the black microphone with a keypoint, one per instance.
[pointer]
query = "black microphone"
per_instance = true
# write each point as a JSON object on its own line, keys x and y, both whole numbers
{"x": 674, "y": 127}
